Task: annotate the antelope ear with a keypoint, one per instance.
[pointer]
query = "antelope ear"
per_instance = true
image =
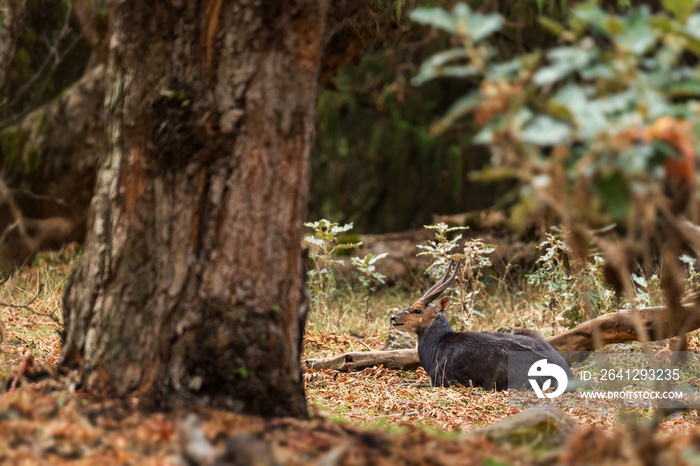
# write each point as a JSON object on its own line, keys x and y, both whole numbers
{"x": 444, "y": 304}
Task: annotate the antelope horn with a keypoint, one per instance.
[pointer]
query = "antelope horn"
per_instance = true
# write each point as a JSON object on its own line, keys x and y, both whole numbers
{"x": 439, "y": 282}
{"x": 441, "y": 285}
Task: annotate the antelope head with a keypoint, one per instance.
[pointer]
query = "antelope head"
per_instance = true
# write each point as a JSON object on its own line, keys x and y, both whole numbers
{"x": 424, "y": 312}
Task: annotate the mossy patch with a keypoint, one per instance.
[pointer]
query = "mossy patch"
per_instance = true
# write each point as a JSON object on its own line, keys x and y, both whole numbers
{"x": 12, "y": 143}
{"x": 33, "y": 160}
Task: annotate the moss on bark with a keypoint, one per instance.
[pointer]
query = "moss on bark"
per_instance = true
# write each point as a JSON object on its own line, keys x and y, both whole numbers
{"x": 12, "y": 145}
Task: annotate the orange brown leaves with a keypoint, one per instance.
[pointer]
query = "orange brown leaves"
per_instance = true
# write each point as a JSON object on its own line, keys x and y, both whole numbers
{"x": 25, "y": 366}
{"x": 496, "y": 95}
{"x": 677, "y": 133}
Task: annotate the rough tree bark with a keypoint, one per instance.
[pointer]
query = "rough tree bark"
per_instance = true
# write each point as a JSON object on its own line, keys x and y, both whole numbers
{"x": 190, "y": 288}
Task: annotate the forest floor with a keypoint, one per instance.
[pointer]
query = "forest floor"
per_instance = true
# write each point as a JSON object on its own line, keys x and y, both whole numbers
{"x": 376, "y": 416}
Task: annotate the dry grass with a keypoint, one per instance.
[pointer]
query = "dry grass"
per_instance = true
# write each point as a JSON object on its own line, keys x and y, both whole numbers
{"x": 383, "y": 398}
{"x": 35, "y": 328}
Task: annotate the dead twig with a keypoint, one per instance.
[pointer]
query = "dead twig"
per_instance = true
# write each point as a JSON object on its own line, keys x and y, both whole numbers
{"x": 16, "y": 212}
{"x": 55, "y": 57}
{"x": 29, "y": 303}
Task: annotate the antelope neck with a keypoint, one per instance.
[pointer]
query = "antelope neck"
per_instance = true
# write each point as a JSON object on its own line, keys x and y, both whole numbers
{"x": 438, "y": 328}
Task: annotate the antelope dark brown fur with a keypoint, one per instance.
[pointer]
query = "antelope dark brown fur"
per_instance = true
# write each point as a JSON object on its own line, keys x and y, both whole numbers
{"x": 476, "y": 358}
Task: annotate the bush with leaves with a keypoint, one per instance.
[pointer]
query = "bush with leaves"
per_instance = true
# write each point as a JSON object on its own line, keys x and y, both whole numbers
{"x": 321, "y": 279}
{"x": 368, "y": 275}
{"x": 598, "y": 130}
{"x": 572, "y": 290}
{"x": 474, "y": 256}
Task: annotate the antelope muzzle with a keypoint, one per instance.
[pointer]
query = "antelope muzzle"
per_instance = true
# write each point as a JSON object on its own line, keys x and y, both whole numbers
{"x": 394, "y": 319}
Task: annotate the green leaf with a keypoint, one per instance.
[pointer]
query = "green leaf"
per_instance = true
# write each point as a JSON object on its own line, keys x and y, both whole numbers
{"x": 614, "y": 195}
{"x": 437, "y": 17}
{"x": 378, "y": 257}
{"x": 637, "y": 35}
{"x": 441, "y": 58}
{"x": 546, "y": 131}
{"x": 598, "y": 71}
{"x": 485, "y": 136}
{"x": 692, "y": 26}
{"x": 348, "y": 245}
{"x": 551, "y": 25}
{"x": 335, "y": 228}
{"x": 482, "y": 26}
{"x": 590, "y": 13}
{"x": 476, "y": 26}
{"x": 506, "y": 69}
{"x": 314, "y": 241}
{"x": 589, "y": 115}
{"x": 460, "y": 108}
{"x": 551, "y": 74}
{"x": 435, "y": 67}
{"x": 564, "y": 60}
{"x": 684, "y": 89}
{"x": 681, "y": 9}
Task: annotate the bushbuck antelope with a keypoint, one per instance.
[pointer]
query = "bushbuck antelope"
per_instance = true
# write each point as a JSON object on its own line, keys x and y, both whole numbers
{"x": 477, "y": 357}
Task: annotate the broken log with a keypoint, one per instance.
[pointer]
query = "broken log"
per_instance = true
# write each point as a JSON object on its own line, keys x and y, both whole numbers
{"x": 406, "y": 359}
{"x": 616, "y": 327}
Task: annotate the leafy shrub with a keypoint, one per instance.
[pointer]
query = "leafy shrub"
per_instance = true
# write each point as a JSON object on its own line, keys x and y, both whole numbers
{"x": 321, "y": 279}
{"x": 368, "y": 275}
{"x": 598, "y": 130}
{"x": 474, "y": 256}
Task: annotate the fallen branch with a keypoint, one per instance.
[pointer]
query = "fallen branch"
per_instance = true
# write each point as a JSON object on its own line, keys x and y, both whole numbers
{"x": 616, "y": 327}
{"x": 356, "y": 361}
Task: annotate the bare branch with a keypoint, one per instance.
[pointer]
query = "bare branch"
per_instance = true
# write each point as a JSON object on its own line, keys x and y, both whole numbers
{"x": 16, "y": 212}
{"x": 30, "y": 302}
{"x": 53, "y": 59}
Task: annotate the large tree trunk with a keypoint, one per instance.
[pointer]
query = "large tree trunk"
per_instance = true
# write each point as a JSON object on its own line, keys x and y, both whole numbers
{"x": 190, "y": 288}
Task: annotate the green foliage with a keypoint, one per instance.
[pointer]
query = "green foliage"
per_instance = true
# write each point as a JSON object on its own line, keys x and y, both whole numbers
{"x": 100, "y": 6}
{"x": 474, "y": 256}
{"x": 562, "y": 5}
{"x": 368, "y": 274}
{"x": 325, "y": 239}
{"x": 598, "y": 129}
{"x": 440, "y": 249}
{"x": 693, "y": 278}
{"x": 572, "y": 290}
{"x": 374, "y": 160}
{"x": 180, "y": 96}
{"x": 12, "y": 144}
{"x": 596, "y": 105}
{"x": 648, "y": 291}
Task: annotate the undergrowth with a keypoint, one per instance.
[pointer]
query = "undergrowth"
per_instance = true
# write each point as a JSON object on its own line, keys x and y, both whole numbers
{"x": 558, "y": 292}
{"x": 31, "y": 309}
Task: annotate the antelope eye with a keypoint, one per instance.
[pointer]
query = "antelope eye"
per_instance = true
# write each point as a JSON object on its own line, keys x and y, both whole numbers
{"x": 418, "y": 311}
